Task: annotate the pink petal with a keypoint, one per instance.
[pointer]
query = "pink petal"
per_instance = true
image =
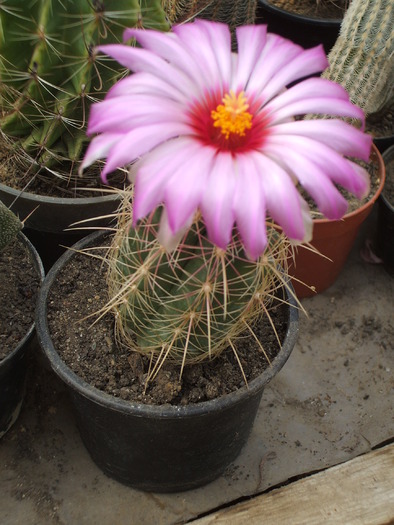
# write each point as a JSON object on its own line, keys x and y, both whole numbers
{"x": 216, "y": 206}
{"x": 165, "y": 235}
{"x": 137, "y": 59}
{"x": 325, "y": 159}
{"x": 315, "y": 95}
{"x": 304, "y": 64}
{"x": 251, "y": 41}
{"x": 336, "y": 134}
{"x": 139, "y": 141}
{"x": 249, "y": 207}
{"x": 313, "y": 176}
{"x": 144, "y": 84}
{"x": 184, "y": 191}
{"x": 154, "y": 172}
{"x": 213, "y": 50}
{"x": 99, "y": 148}
{"x": 121, "y": 114}
{"x": 282, "y": 198}
{"x": 169, "y": 47}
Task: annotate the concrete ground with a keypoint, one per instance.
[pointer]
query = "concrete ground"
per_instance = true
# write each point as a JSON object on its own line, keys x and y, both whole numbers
{"x": 332, "y": 401}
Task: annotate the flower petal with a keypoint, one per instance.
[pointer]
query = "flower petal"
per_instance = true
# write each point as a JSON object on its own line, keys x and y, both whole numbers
{"x": 99, "y": 148}
{"x": 249, "y": 207}
{"x": 121, "y": 114}
{"x": 139, "y": 141}
{"x": 338, "y": 135}
{"x": 315, "y": 95}
{"x": 153, "y": 172}
{"x": 251, "y": 41}
{"x": 282, "y": 198}
{"x": 217, "y": 206}
{"x": 138, "y": 59}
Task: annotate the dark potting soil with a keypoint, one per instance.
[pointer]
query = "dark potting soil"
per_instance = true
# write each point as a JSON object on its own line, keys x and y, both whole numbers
{"x": 388, "y": 190}
{"x": 333, "y": 9}
{"x": 19, "y": 285}
{"x": 88, "y": 346}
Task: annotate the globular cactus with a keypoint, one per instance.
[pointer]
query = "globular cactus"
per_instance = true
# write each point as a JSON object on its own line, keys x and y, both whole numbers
{"x": 49, "y": 73}
{"x": 188, "y": 305}
{"x": 10, "y": 225}
{"x": 362, "y": 59}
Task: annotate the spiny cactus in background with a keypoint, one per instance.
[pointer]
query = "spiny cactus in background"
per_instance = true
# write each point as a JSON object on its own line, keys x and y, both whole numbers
{"x": 188, "y": 305}
{"x": 49, "y": 74}
{"x": 231, "y": 12}
{"x": 362, "y": 59}
{"x": 10, "y": 225}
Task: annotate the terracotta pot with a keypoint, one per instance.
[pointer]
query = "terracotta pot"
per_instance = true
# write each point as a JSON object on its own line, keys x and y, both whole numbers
{"x": 162, "y": 448}
{"x": 333, "y": 239}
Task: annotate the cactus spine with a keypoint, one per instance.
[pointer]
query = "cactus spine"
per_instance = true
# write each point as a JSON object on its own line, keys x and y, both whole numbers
{"x": 362, "y": 59}
{"x": 10, "y": 225}
{"x": 188, "y": 305}
{"x": 49, "y": 74}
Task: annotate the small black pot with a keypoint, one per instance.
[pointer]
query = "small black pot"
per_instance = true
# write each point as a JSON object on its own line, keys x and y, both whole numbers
{"x": 13, "y": 368}
{"x": 385, "y": 228}
{"x": 49, "y": 218}
{"x": 160, "y": 448}
{"x": 305, "y": 31}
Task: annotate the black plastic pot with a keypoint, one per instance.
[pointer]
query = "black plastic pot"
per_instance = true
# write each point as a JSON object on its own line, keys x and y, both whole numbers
{"x": 305, "y": 31}
{"x": 385, "y": 228}
{"x": 160, "y": 448}
{"x": 50, "y": 217}
{"x": 13, "y": 368}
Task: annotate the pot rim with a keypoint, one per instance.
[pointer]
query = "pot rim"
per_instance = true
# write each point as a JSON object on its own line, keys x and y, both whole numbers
{"x": 41, "y": 273}
{"x": 64, "y": 201}
{"x": 146, "y": 410}
{"x": 382, "y": 173}
{"x": 325, "y": 22}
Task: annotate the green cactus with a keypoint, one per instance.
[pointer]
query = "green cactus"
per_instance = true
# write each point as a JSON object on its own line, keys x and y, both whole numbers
{"x": 50, "y": 75}
{"x": 362, "y": 59}
{"x": 10, "y": 225}
{"x": 188, "y": 305}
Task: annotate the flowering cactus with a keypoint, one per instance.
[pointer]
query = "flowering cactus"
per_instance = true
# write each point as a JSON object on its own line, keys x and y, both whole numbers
{"x": 213, "y": 149}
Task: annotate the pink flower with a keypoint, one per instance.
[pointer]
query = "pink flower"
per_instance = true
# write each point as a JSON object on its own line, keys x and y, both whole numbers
{"x": 210, "y": 130}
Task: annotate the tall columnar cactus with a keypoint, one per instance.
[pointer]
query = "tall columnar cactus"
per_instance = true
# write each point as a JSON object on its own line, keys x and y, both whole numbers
{"x": 49, "y": 74}
{"x": 362, "y": 59}
{"x": 10, "y": 225}
{"x": 190, "y": 304}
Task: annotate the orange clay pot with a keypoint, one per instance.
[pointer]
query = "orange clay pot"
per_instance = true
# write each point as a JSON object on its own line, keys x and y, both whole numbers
{"x": 334, "y": 239}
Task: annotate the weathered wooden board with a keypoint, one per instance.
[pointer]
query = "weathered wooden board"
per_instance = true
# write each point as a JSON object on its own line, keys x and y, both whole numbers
{"x": 358, "y": 492}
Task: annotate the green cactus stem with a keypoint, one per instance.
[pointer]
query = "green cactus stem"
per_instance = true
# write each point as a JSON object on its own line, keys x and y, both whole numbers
{"x": 191, "y": 304}
{"x": 49, "y": 74}
{"x": 10, "y": 225}
{"x": 362, "y": 59}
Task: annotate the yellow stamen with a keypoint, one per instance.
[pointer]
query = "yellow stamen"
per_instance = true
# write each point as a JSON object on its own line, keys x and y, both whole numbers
{"x": 232, "y": 116}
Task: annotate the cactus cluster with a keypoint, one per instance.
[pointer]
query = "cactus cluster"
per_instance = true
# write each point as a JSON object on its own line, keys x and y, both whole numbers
{"x": 10, "y": 225}
{"x": 362, "y": 59}
{"x": 191, "y": 304}
{"x": 50, "y": 74}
